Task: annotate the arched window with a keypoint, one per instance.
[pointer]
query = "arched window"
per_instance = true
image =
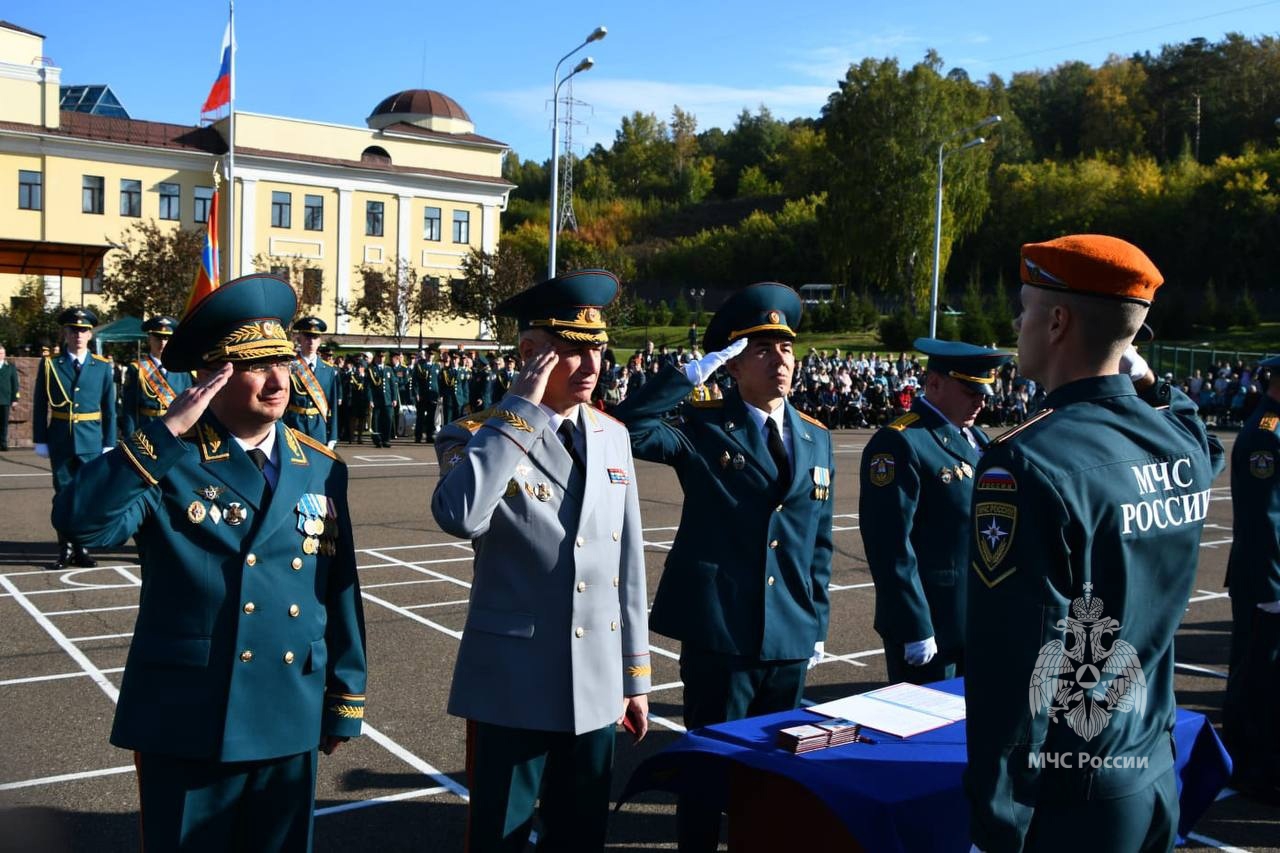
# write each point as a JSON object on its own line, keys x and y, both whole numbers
{"x": 376, "y": 155}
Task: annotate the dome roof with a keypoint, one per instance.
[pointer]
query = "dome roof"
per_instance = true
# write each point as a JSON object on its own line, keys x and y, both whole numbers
{"x": 420, "y": 103}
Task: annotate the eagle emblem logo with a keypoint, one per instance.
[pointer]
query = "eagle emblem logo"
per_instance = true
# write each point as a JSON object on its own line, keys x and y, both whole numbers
{"x": 1087, "y": 676}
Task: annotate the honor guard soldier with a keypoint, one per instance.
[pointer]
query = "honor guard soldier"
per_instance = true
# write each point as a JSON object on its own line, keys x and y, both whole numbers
{"x": 73, "y": 414}
{"x": 749, "y": 609}
{"x": 913, "y": 511}
{"x": 248, "y": 652}
{"x": 1253, "y": 576}
{"x": 404, "y": 391}
{"x": 459, "y": 390}
{"x": 556, "y": 645}
{"x": 9, "y": 394}
{"x": 426, "y": 385}
{"x": 313, "y": 400}
{"x": 384, "y": 393}
{"x": 359, "y": 391}
{"x": 504, "y": 378}
{"x": 1086, "y": 532}
{"x": 149, "y": 388}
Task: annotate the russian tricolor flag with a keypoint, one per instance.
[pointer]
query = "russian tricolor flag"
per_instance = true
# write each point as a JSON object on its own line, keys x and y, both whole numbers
{"x": 220, "y": 94}
{"x": 207, "y": 278}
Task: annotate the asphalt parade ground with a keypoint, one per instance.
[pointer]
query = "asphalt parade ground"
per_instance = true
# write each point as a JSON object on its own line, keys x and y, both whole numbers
{"x": 401, "y": 787}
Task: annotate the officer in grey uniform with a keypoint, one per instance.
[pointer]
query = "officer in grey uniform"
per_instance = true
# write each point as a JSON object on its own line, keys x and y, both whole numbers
{"x": 555, "y": 651}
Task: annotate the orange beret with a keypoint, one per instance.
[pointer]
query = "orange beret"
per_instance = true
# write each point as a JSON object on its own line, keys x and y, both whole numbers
{"x": 1094, "y": 264}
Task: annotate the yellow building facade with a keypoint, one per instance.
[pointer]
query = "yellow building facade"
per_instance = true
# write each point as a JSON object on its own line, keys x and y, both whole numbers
{"x": 416, "y": 186}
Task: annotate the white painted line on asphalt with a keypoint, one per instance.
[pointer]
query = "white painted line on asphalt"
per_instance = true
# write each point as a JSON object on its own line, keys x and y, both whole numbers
{"x": 851, "y": 658}
{"x": 449, "y": 544}
{"x": 414, "y": 761}
{"x": 667, "y": 724}
{"x": 90, "y": 610}
{"x": 378, "y": 801}
{"x": 42, "y": 474}
{"x": 670, "y": 685}
{"x": 365, "y": 586}
{"x": 394, "y": 564}
{"x": 384, "y": 457}
{"x": 66, "y": 777}
{"x": 66, "y": 589}
{"x": 1207, "y": 595}
{"x": 835, "y": 587}
{"x": 1215, "y": 543}
{"x": 33, "y": 679}
{"x": 1213, "y": 842}
{"x": 664, "y": 653}
{"x": 438, "y": 604}
{"x": 395, "y": 465}
{"x": 1203, "y": 670}
{"x": 418, "y": 568}
{"x": 99, "y": 637}
{"x": 61, "y": 639}
{"x": 395, "y": 608}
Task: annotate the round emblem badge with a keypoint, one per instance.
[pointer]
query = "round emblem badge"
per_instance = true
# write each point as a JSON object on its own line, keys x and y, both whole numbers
{"x": 196, "y": 512}
{"x": 774, "y": 317}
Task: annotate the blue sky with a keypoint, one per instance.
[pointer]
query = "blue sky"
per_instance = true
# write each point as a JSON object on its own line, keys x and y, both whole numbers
{"x": 333, "y": 61}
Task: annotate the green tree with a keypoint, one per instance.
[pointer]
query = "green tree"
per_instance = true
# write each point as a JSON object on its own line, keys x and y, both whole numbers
{"x": 394, "y": 297}
{"x": 1116, "y": 116}
{"x": 29, "y": 319}
{"x": 753, "y": 184}
{"x": 680, "y": 310}
{"x": 975, "y": 324}
{"x": 660, "y": 315}
{"x": 487, "y": 280}
{"x": 152, "y": 270}
{"x": 640, "y": 161}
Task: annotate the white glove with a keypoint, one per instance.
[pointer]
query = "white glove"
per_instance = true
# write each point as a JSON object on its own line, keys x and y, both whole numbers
{"x": 107, "y": 450}
{"x": 1272, "y": 607}
{"x": 700, "y": 371}
{"x": 1133, "y": 364}
{"x": 819, "y": 649}
{"x": 42, "y": 450}
{"x": 333, "y": 444}
{"x": 921, "y": 652}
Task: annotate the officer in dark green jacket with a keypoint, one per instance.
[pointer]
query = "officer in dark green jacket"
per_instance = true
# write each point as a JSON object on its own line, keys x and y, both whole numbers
{"x": 314, "y": 384}
{"x": 749, "y": 606}
{"x": 73, "y": 414}
{"x": 149, "y": 388}
{"x": 248, "y": 653}
{"x": 426, "y": 386}
{"x": 384, "y": 390}
{"x": 913, "y": 511}
{"x": 1086, "y": 525}
{"x": 1253, "y": 575}
{"x": 9, "y": 394}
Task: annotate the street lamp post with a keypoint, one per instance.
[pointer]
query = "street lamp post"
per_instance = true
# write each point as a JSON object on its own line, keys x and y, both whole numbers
{"x": 943, "y": 153}
{"x": 596, "y": 34}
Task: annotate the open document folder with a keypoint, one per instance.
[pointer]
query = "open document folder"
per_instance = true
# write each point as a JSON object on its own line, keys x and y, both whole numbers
{"x": 899, "y": 709}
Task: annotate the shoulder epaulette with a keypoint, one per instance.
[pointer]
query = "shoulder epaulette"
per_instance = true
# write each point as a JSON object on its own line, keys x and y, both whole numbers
{"x": 905, "y": 421}
{"x": 609, "y": 416}
{"x": 475, "y": 420}
{"x": 813, "y": 421}
{"x": 315, "y": 445}
{"x": 1269, "y": 423}
{"x": 101, "y": 358}
{"x": 707, "y": 404}
{"x": 1010, "y": 433}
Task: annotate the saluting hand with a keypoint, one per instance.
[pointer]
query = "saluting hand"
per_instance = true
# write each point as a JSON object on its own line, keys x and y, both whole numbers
{"x": 191, "y": 403}
{"x": 531, "y": 382}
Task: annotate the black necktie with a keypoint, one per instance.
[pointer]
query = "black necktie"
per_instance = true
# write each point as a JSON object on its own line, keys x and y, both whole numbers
{"x": 76, "y": 363}
{"x": 259, "y": 458}
{"x": 778, "y": 451}
{"x": 566, "y": 438}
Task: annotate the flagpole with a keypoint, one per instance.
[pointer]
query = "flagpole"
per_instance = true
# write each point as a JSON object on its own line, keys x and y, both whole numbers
{"x": 231, "y": 153}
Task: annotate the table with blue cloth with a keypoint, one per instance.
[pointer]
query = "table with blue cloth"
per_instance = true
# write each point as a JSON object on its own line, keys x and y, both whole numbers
{"x": 894, "y": 794}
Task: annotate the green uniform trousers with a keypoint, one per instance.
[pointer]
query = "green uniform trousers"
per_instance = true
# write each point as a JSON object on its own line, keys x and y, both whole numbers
{"x": 1143, "y": 822}
{"x": 1253, "y": 694}
{"x": 719, "y": 688}
{"x": 196, "y": 806}
{"x": 505, "y": 769}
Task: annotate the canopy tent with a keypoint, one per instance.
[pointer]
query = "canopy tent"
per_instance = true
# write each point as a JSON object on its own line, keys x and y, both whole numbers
{"x": 125, "y": 329}
{"x": 39, "y": 257}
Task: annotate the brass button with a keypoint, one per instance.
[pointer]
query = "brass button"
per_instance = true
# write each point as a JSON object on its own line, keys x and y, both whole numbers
{"x": 251, "y": 560}
{"x": 616, "y": 536}
{"x": 288, "y": 657}
{"x": 246, "y": 656}
{"x": 297, "y": 563}
{"x": 582, "y": 586}
{"x": 249, "y": 607}
{"x": 580, "y": 632}
{"x": 580, "y": 541}
{"x": 613, "y": 626}
{"x": 773, "y": 544}
{"x": 294, "y": 610}
{"x": 615, "y": 583}
{"x": 770, "y": 580}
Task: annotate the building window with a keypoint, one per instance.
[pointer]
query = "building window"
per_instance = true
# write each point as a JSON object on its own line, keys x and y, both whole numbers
{"x": 461, "y": 226}
{"x": 431, "y": 224}
{"x": 92, "y": 285}
{"x": 312, "y": 286}
{"x": 30, "y": 185}
{"x": 91, "y": 194}
{"x": 170, "y": 201}
{"x": 373, "y": 219}
{"x": 130, "y": 197}
{"x": 204, "y": 200}
{"x": 280, "y": 272}
{"x": 313, "y": 213}
{"x": 281, "y": 209}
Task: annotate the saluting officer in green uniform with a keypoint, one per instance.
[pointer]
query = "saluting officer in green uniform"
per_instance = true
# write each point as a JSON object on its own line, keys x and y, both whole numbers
{"x": 384, "y": 391}
{"x": 73, "y": 414}
{"x": 360, "y": 397}
{"x": 404, "y": 390}
{"x": 556, "y": 646}
{"x": 1253, "y": 575}
{"x": 1086, "y": 526}
{"x": 248, "y": 653}
{"x": 749, "y": 607}
{"x": 913, "y": 510}
{"x": 149, "y": 388}
{"x": 426, "y": 384}
{"x": 314, "y": 389}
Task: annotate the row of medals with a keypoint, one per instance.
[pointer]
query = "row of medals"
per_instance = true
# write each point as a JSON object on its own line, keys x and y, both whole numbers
{"x": 234, "y": 513}
{"x": 964, "y": 469}
{"x": 319, "y": 535}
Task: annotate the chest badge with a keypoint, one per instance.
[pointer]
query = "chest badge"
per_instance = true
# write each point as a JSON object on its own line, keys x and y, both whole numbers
{"x": 739, "y": 461}
{"x": 235, "y": 514}
{"x": 543, "y": 492}
{"x": 724, "y": 459}
{"x": 945, "y": 474}
{"x": 211, "y": 493}
{"x": 196, "y": 512}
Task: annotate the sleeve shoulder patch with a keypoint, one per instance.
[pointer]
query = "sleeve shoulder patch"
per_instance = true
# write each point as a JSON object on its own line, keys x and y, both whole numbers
{"x": 905, "y": 421}
{"x": 813, "y": 421}
{"x": 475, "y": 420}
{"x": 1010, "y": 433}
{"x": 101, "y": 358}
{"x": 1269, "y": 423}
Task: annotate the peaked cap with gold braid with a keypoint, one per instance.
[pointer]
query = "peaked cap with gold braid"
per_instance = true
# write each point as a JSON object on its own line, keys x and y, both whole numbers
{"x": 973, "y": 366}
{"x": 766, "y": 309}
{"x": 568, "y": 306}
{"x": 243, "y": 320}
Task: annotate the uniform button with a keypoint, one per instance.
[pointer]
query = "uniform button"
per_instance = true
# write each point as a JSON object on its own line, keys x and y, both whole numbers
{"x": 580, "y": 541}
{"x": 251, "y": 560}
{"x": 246, "y": 656}
{"x": 613, "y": 626}
{"x": 249, "y": 607}
{"x": 288, "y": 657}
{"x": 616, "y": 536}
{"x": 778, "y": 508}
{"x": 770, "y": 581}
{"x": 582, "y": 586}
{"x": 294, "y": 610}
{"x": 297, "y": 563}
{"x": 774, "y": 544}
{"x": 580, "y": 632}
{"x": 615, "y": 582}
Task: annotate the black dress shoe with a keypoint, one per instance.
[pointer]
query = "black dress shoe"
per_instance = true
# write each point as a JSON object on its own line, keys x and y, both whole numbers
{"x": 83, "y": 559}
{"x": 65, "y": 555}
